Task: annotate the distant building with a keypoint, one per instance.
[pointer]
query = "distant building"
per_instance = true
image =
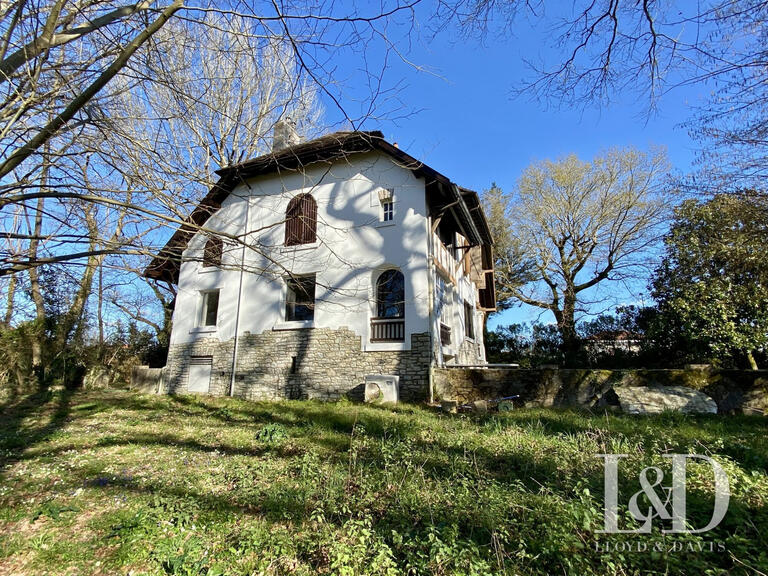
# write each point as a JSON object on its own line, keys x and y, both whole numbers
{"x": 612, "y": 341}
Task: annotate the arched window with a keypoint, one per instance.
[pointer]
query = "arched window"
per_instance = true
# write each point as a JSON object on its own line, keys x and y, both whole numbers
{"x": 212, "y": 252}
{"x": 390, "y": 295}
{"x": 301, "y": 220}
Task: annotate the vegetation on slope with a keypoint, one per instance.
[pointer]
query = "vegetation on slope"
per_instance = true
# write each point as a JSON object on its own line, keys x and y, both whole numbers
{"x": 109, "y": 482}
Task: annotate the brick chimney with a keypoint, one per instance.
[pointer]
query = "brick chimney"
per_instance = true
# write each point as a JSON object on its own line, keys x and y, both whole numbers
{"x": 285, "y": 134}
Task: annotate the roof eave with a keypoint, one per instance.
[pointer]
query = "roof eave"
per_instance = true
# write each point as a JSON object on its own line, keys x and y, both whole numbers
{"x": 165, "y": 266}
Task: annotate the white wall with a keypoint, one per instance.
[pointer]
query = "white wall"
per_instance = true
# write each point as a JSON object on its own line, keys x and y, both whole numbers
{"x": 353, "y": 247}
{"x": 452, "y": 314}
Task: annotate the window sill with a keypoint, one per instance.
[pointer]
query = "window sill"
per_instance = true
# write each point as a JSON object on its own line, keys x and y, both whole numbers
{"x": 294, "y": 325}
{"x": 299, "y": 247}
{"x": 384, "y": 224}
{"x": 204, "y": 330}
{"x": 207, "y": 269}
{"x": 386, "y": 346}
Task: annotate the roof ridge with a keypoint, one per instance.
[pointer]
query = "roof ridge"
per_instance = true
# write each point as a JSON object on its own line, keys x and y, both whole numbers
{"x": 295, "y": 148}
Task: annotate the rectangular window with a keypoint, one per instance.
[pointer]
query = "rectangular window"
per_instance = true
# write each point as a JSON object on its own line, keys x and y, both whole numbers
{"x": 300, "y": 300}
{"x": 469, "y": 321}
{"x": 387, "y": 211}
{"x": 210, "y": 310}
{"x": 387, "y": 201}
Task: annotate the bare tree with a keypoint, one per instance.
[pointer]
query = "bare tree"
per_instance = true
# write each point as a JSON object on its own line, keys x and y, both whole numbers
{"x": 115, "y": 118}
{"x": 57, "y": 58}
{"x": 219, "y": 90}
{"x": 598, "y": 51}
{"x": 211, "y": 101}
{"x": 63, "y": 55}
{"x": 580, "y": 225}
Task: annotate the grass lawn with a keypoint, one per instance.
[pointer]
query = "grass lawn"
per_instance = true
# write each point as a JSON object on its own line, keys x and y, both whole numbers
{"x": 114, "y": 483}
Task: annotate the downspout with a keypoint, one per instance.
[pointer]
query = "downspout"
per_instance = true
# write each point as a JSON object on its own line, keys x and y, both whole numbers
{"x": 431, "y": 306}
{"x": 239, "y": 297}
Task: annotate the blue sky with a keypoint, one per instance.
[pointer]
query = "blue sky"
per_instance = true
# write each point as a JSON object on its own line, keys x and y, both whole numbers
{"x": 461, "y": 117}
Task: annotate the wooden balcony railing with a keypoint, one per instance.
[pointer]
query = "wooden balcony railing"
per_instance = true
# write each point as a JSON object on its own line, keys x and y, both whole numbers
{"x": 445, "y": 334}
{"x": 387, "y": 329}
{"x": 445, "y": 259}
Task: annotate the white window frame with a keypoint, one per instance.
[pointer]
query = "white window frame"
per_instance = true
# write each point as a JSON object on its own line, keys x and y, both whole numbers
{"x": 387, "y": 211}
{"x": 386, "y": 206}
{"x": 285, "y": 324}
{"x": 469, "y": 309}
{"x": 204, "y": 295}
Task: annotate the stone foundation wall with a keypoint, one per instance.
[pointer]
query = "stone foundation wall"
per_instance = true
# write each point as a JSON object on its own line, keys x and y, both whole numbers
{"x": 469, "y": 352}
{"x": 734, "y": 391}
{"x": 308, "y": 363}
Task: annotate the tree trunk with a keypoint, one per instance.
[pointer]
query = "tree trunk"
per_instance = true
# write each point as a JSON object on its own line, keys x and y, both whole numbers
{"x": 100, "y": 310}
{"x": 9, "y": 302}
{"x": 34, "y": 280}
{"x": 751, "y": 360}
{"x": 566, "y": 323}
{"x": 72, "y": 321}
{"x": 164, "y": 337}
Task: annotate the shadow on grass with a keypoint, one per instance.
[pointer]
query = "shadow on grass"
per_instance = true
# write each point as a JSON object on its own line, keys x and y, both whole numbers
{"x": 29, "y": 421}
{"x": 743, "y": 438}
{"x": 461, "y": 473}
{"x": 286, "y": 499}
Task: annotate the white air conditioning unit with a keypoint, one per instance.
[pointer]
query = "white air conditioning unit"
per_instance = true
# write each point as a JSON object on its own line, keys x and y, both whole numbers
{"x": 382, "y": 388}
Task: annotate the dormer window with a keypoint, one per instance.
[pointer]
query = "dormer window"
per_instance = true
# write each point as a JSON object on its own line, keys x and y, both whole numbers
{"x": 301, "y": 221}
{"x": 387, "y": 201}
{"x": 212, "y": 252}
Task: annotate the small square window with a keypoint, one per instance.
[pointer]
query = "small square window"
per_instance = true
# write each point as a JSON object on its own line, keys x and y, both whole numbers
{"x": 469, "y": 321}
{"x": 210, "y": 309}
{"x": 300, "y": 300}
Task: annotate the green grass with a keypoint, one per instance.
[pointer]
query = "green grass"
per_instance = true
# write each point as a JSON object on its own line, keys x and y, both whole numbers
{"x": 114, "y": 483}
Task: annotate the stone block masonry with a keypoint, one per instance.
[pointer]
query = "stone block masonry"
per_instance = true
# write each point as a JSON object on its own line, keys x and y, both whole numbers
{"x": 146, "y": 380}
{"x": 734, "y": 391}
{"x": 307, "y": 363}
{"x": 469, "y": 352}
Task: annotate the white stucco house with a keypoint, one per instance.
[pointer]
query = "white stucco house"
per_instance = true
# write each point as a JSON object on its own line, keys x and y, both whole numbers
{"x": 308, "y": 268}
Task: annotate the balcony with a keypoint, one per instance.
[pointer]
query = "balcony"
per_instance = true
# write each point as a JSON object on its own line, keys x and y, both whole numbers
{"x": 445, "y": 261}
{"x": 387, "y": 329}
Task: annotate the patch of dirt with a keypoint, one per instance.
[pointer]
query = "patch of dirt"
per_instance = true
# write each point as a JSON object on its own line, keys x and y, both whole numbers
{"x": 26, "y": 527}
{"x": 16, "y": 565}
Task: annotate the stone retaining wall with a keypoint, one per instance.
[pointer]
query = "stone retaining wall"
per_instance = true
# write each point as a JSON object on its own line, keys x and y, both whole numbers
{"x": 308, "y": 363}
{"x": 147, "y": 380}
{"x": 734, "y": 391}
{"x": 469, "y": 352}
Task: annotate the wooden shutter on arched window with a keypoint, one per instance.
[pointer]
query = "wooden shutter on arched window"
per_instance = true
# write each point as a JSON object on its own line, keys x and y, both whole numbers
{"x": 301, "y": 220}
{"x": 212, "y": 252}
